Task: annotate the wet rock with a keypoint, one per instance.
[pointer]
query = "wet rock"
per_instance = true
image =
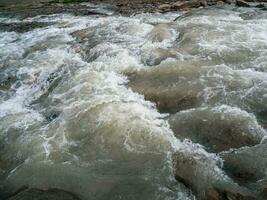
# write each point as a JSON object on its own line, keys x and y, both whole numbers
{"x": 38, "y": 194}
{"x": 220, "y": 3}
{"x": 219, "y": 128}
{"x": 82, "y": 45}
{"x": 32, "y": 9}
{"x": 23, "y": 26}
{"x": 52, "y": 115}
{"x": 7, "y": 81}
{"x": 199, "y": 171}
{"x": 161, "y": 6}
{"x": 248, "y": 15}
{"x": 121, "y": 6}
{"x": 4, "y": 88}
{"x": 262, "y": 6}
{"x": 246, "y": 164}
{"x": 242, "y": 3}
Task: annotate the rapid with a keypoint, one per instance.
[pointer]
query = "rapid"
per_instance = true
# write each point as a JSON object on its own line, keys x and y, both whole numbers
{"x": 149, "y": 106}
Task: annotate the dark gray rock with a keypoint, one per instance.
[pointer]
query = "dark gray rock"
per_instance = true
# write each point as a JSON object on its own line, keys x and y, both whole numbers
{"x": 23, "y": 26}
{"x": 242, "y": 3}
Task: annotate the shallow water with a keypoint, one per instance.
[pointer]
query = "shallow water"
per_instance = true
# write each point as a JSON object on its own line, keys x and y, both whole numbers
{"x": 85, "y": 102}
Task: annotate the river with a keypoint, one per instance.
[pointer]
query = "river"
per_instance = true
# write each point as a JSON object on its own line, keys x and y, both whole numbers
{"x": 151, "y": 106}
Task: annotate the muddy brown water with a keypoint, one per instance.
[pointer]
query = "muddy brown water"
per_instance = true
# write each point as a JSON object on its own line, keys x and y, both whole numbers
{"x": 104, "y": 106}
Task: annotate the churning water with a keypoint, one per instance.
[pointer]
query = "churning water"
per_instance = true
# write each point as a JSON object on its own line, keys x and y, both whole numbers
{"x": 141, "y": 107}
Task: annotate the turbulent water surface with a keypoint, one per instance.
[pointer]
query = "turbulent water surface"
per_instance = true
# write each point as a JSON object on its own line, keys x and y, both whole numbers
{"x": 141, "y": 107}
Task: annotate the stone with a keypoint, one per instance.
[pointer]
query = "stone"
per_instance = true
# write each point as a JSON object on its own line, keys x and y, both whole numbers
{"x": 220, "y": 3}
{"x": 23, "y": 27}
{"x": 4, "y": 88}
{"x": 242, "y": 3}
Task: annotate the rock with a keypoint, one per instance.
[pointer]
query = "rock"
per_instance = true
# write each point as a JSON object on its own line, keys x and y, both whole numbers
{"x": 32, "y": 9}
{"x": 199, "y": 171}
{"x": 247, "y": 164}
{"x": 229, "y": 1}
{"x": 188, "y": 4}
{"x": 219, "y": 128}
{"x": 164, "y": 7}
{"x": 83, "y": 46}
{"x": 23, "y": 27}
{"x": 262, "y": 6}
{"x": 4, "y": 88}
{"x": 220, "y": 3}
{"x": 242, "y": 3}
{"x": 121, "y": 6}
{"x": 38, "y": 194}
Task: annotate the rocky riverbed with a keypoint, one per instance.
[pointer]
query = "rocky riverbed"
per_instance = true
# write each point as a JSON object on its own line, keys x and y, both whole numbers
{"x": 125, "y": 7}
{"x": 137, "y": 100}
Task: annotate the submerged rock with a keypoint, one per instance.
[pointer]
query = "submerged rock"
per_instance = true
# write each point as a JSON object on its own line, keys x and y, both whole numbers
{"x": 242, "y": 3}
{"x": 23, "y": 26}
{"x": 218, "y": 128}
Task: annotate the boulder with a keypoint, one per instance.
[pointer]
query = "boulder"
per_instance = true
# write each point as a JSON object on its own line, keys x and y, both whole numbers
{"x": 242, "y": 3}
{"x": 23, "y": 27}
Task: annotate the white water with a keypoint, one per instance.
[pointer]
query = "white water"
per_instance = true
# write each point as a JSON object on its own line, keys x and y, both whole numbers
{"x": 69, "y": 120}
